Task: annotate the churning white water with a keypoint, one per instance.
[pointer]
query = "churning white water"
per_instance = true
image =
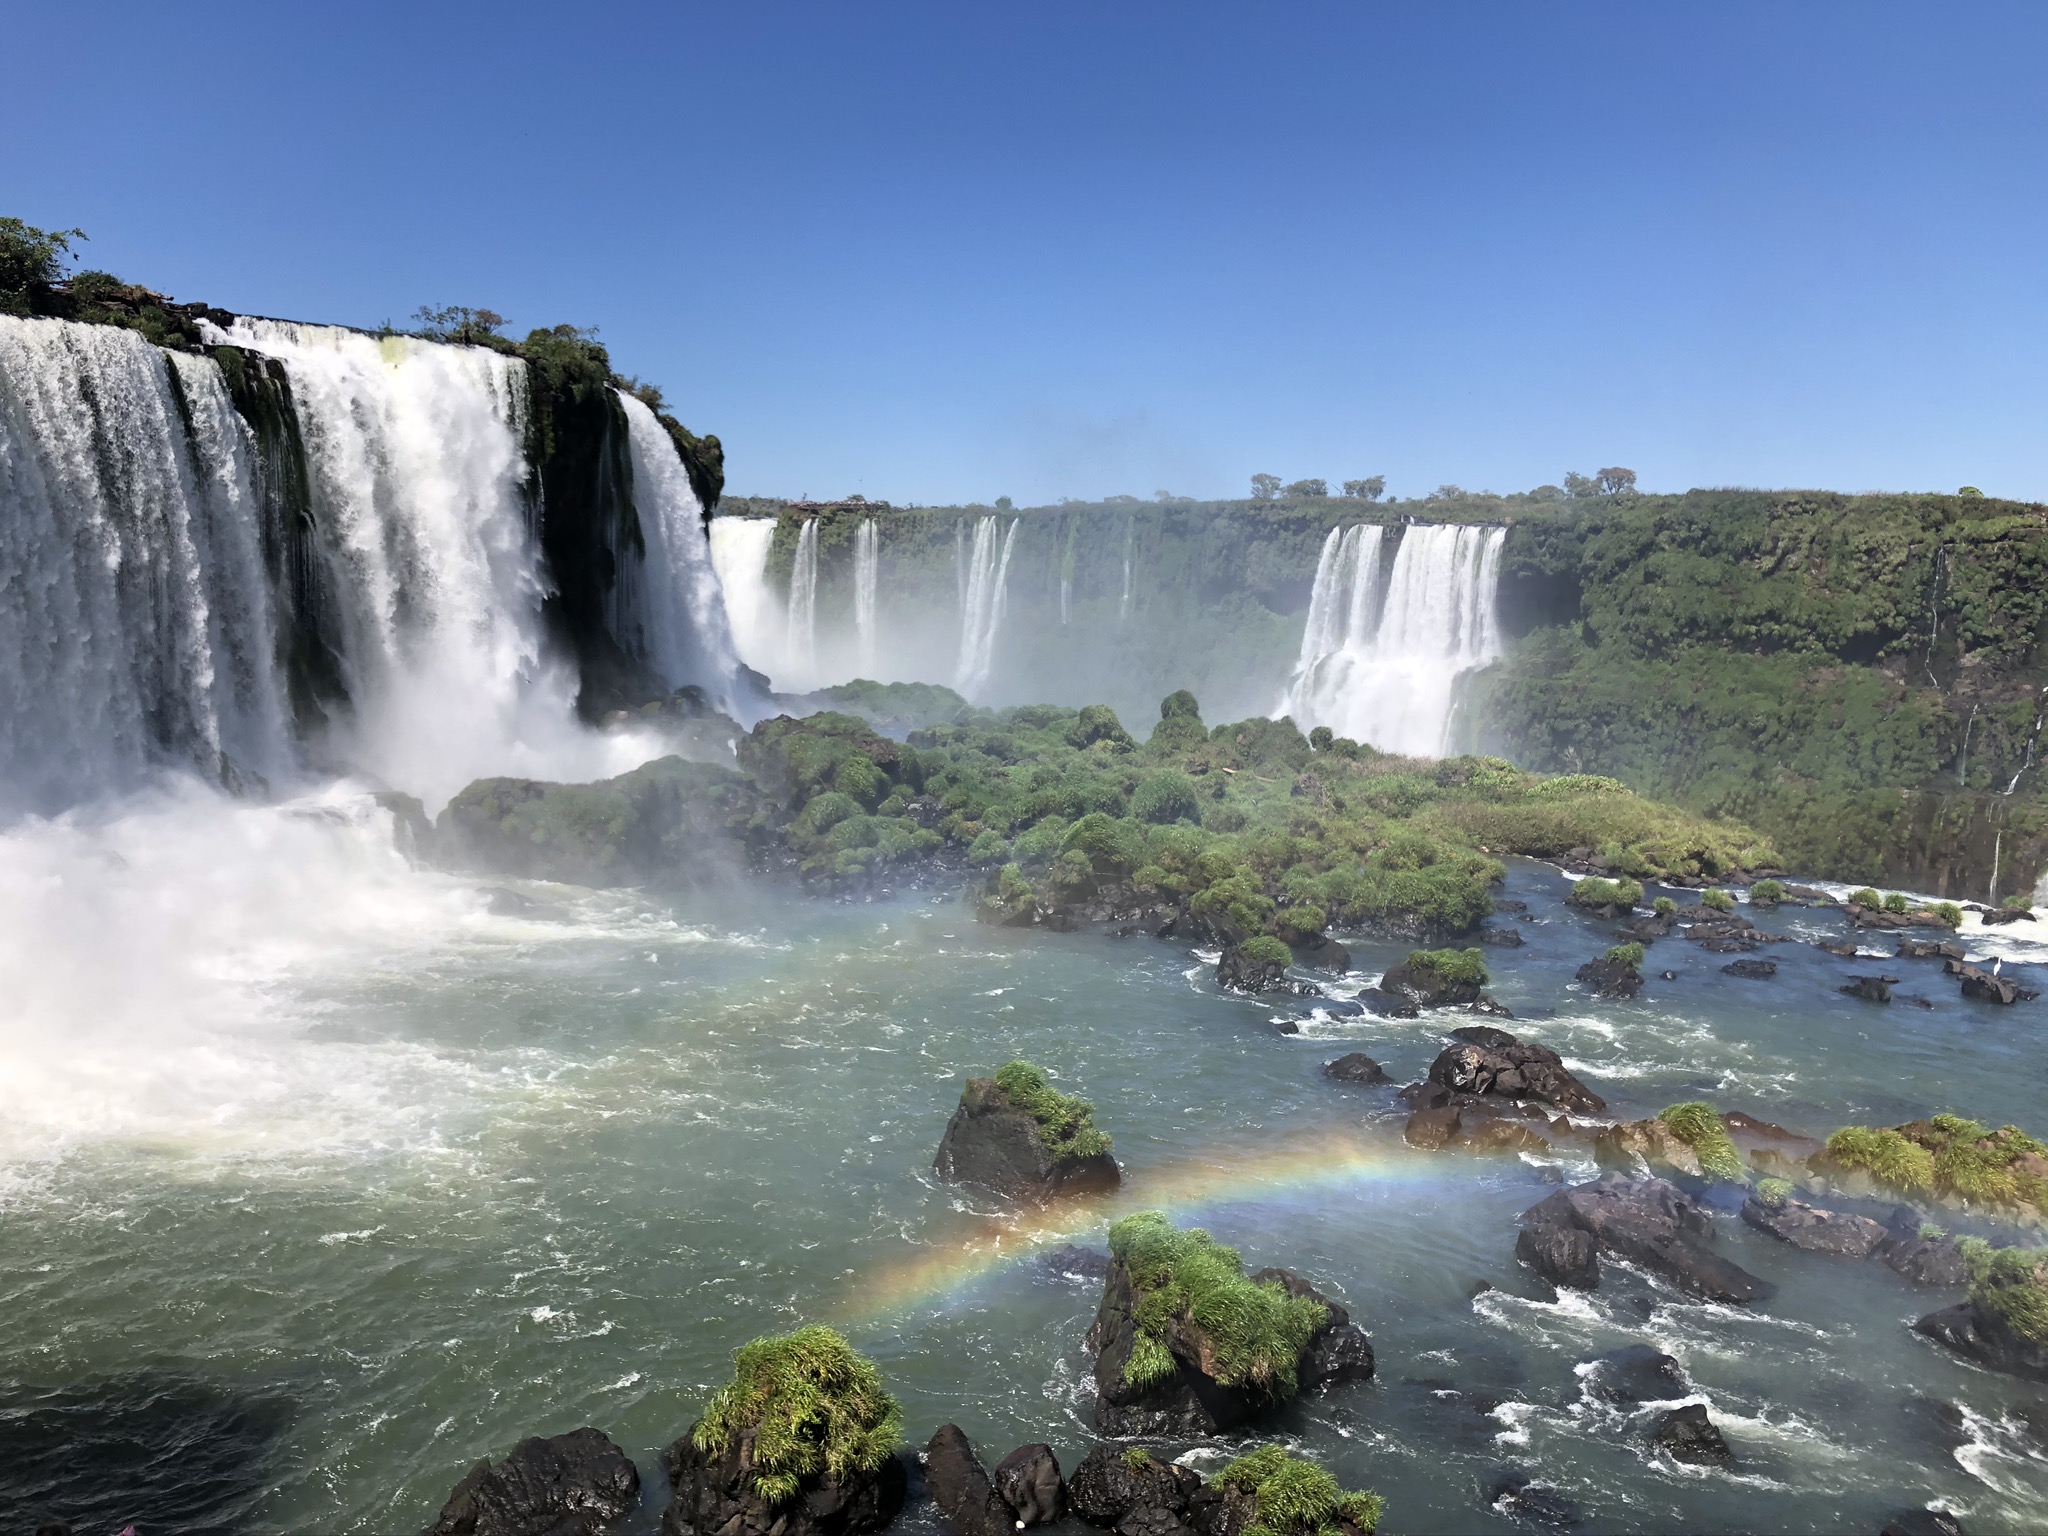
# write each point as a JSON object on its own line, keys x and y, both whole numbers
{"x": 135, "y": 626}
{"x": 867, "y": 557}
{"x": 981, "y": 609}
{"x": 1387, "y": 670}
{"x": 675, "y": 588}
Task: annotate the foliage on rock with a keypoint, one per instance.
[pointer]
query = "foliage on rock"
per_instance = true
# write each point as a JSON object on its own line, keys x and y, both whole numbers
{"x": 1699, "y": 1126}
{"x": 1065, "y": 1123}
{"x": 1292, "y": 1496}
{"x": 1950, "y": 1157}
{"x": 808, "y": 1406}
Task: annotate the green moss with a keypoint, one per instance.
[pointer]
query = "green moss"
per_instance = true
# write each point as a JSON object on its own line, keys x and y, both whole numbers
{"x": 1885, "y": 1155}
{"x": 1630, "y": 955}
{"x": 1699, "y": 1126}
{"x": 808, "y": 1406}
{"x": 2012, "y": 1283}
{"x": 1292, "y": 1496}
{"x": 1596, "y": 892}
{"x": 1256, "y": 1333}
{"x": 1462, "y": 967}
{"x": 1065, "y": 1123}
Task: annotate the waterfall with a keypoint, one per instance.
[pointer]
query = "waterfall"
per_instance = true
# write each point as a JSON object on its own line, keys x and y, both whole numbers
{"x": 739, "y": 554}
{"x": 684, "y": 631}
{"x": 1392, "y": 679}
{"x": 981, "y": 613}
{"x": 866, "y": 563}
{"x": 135, "y": 620}
{"x": 803, "y": 608}
{"x": 1066, "y": 597}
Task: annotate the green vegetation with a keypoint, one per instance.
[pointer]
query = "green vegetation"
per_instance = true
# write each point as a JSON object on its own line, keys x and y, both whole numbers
{"x": 1263, "y": 949}
{"x": 2011, "y": 1283}
{"x": 1065, "y": 1123}
{"x": 32, "y": 261}
{"x": 1895, "y": 902}
{"x": 2018, "y": 904}
{"x": 1948, "y": 912}
{"x": 1460, "y": 967}
{"x": 1773, "y": 1191}
{"x": 1629, "y": 954}
{"x": 1952, "y": 1157}
{"x": 1717, "y": 901}
{"x": 1867, "y": 899}
{"x": 803, "y": 1405}
{"x": 1664, "y": 906}
{"x": 1596, "y": 892}
{"x": 1255, "y": 1333}
{"x": 1767, "y": 893}
{"x": 1295, "y": 1497}
{"x": 1699, "y": 1126}
{"x": 1137, "y": 1458}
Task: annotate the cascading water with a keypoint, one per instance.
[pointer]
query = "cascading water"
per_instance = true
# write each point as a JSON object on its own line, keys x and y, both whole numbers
{"x": 981, "y": 612}
{"x": 802, "y": 654}
{"x": 1392, "y": 679}
{"x": 739, "y": 555}
{"x": 135, "y": 624}
{"x": 683, "y": 624}
{"x": 866, "y": 571}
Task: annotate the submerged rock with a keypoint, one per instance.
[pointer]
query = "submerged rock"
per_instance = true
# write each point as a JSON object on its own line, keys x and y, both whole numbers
{"x": 1514, "y": 1495}
{"x": 1872, "y": 989}
{"x": 1645, "y": 1221}
{"x": 1638, "y": 1374}
{"x": 576, "y": 1484}
{"x": 1921, "y": 1522}
{"x": 1074, "y": 1263}
{"x": 1815, "y": 1230}
{"x": 1355, "y": 1068}
{"x": 1688, "y": 1435}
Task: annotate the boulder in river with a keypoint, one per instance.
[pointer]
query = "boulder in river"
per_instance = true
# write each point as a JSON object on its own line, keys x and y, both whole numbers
{"x": 1356, "y": 1068}
{"x": 1751, "y": 970}
{"x": 1029, "y": 1481}
{"x": 1637, "y": 1373}
{"x": 1979, "y": 1329}
{"x": 1516, "y": 1070}
{"x": 1814, "y": 1229}
{"x": 961, "y": 1487}
{"x": 576, "y": 1484}
{"x": 1519, "y": 1497}
{"x": 1015, "y": 1134}
{"x": 1500, "y": 938}
{"x": 1611, "y": 978}
{"x": 1436, "y": 978}
{"x": 1987, "y": 986}
{"x": 1645, "y": 1221}
{"x": 1687, "y": 1434}
{"x": 1257, "y": 965}
{"x": 1872, "y": 989}
{"x": 1922, "y": 1254}
{"x": 1911, "y": 948}
{"x": 1383, "y": 1004}
{"x": 1921, "y": 1522}
{"x": 1132, "y": 1492}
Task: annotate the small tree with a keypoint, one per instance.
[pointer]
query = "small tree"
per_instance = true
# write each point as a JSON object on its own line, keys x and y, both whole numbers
{"x": 1967, "y": 490}
{"x": 1302, "y": 489}
{"x": 1371, "y": 488}
{"x": 1614, "y": 481}
{"x": 1576, "y": 485}
{"x": 1447, "y": 492}
{"x": 460, "y": 324}
{"x": 31, "y": 262}
{"x": 1265, "y": 487}
{"x": 1003, "y": 503}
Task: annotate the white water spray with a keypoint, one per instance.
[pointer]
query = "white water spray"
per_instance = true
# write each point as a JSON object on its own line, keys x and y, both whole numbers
{"x": 866, "y": 570}
{"x": 802, "y": 653}
{"x": 981, "y": 613}
{"x": 739, "y": 554}
{"x": 1392, "y": 679}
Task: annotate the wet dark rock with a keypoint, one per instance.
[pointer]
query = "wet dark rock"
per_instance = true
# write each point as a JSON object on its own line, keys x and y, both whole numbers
{"x": 1646, "y": 1221}
{"x": 1485, "y": 1036}
{"x": 1504, "y": 938}
{"x": 1930, "y": 1261}
{"x": 1502, "y": 1136}
{"x": 1688, "y": 1435}
{"x": 1029, "y": 1481}
{"x": 961, "y": 1487}
{"x": 1751, "y": 970}
{"x": 1323, "y": 954}
{"x": 1355, "y": 1068}
{"x": 714, "y": 1496}
{"x": 1516, "y": 1497}
{"x": 1646, "y": 930}
{"x": 1070, "y": 1262}
{"x": 1872, "y": 989}
{"x": 1148, "y": 1499}
{"x": 1939, "y": 1422}
{"x": 1339, "y": 1351}
{"x": 1638, "y": 1374}
{"x": 1667, "y": 975}
{"x": 1979, "y": 1334}
{"x": 1814, "y": 1229}
{"x": 1433, "y": 1128}
{"x": 1990, "y": 917}
{"x": 1426, "y": 987}
{"x": 1610, "y": 978}
{"x": 576, "y": 1484}
{"x": 1560, "y": 1252}
{"x": 1911, "y": 948}
{"x": 991, "y": 1142}
{"x": 1501, "y": 905}
{"x": 1519, "y": 1070}
{"x": 1493, "y": 1008}
{"x": 1238, "y": 972}
{"x": 1846, "y": 948}
{"x": 1987, "y": 986}
{"x": 1386, "y": 1005}
{"x": 1921, "y": 1522}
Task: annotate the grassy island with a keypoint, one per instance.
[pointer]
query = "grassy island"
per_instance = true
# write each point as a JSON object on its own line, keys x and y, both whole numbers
{"x": 805, "y": 1406}
{"x": 1066, "y": 1125}
{"x": 1294, "y": 1497}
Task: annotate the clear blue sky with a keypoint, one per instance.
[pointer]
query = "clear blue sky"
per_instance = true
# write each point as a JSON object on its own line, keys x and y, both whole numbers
{"x": 949, "y": 251}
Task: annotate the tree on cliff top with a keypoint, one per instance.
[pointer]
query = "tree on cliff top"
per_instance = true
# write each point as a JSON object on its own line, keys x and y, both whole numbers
{"x": 31, "y": 260}
{"x": 1371, "y": 488}
{"x": 1265, "y": 487}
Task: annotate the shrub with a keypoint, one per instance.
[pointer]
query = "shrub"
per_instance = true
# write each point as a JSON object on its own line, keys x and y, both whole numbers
{"x": 1948, "y": 912}
{"x": 861, "y": 779}
{"x": 810, "y": 1405}
{"x": 1110, "y": 846}
{"x": 1697, "y": 1125}
{"x": 1166, "y": 797}
{"x": 1224, "y": 818}
{"x": 1895, "y": 902}
{"x": 1065, "y": 1123}
{"x": 1180, "y": 705}
{"x": 988, "y": 848}
{"x": 1301, "y": 922}
{"x": 1256, "y": 1332}
{"x": 1717, "y": 901}
{"x": 1465, "y": 967}
{"x": 2011, "y": 1282}
{"x": 1773, "y": 1192}
{"x": 2018, "y": 904}
{"x": 1767, "y": 893}
{"x": 1866, "y": 898}
{"x": 1630, "y": 955}
{"x": 825, "y": 812}
{"x": 1097, "y": 722}
{"x": 1264, "y": 949}
{"x": 1596, "y": 892}
{"x": 1664, "y": 906}
{"x": 1885, "y": 1155}
{"x": 1321, "y": 738}
{"x": 1295, "y": 1497}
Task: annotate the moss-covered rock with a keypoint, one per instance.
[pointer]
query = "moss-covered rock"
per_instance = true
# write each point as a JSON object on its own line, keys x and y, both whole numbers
{"x": 1018, "y": 1135}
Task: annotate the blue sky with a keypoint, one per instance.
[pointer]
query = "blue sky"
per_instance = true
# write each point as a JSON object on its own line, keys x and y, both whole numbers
{"x": 946, "y": 252}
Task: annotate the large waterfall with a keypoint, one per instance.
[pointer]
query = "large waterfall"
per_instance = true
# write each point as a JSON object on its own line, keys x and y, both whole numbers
{"x": 739, "y": 554}
{"x": 867, "y": 555}
{"x": 985, "y": 589}
{"x": 802, "y": 654}
{"x": 1386, "y": 669}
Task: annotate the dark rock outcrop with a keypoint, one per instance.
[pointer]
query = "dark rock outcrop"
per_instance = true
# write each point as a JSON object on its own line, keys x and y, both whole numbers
{"x": 1815, "y": 1230}
{"x": 1930, "y": 1261}
{"x": 1339, "y": 1351}
{"x": 1238, "y": 972}
{"x": 1646, "y": 1221}
{"x": 1500, "y": 938}
{"x": 1133, "y": 1496}
{"x": 1751, "y": 970}
{"x": 991, "y": 1142}
{"x": 1561, "y": 1252}
{"x": 1610, "y": 978}
{"x": 1980, "y": 1334}
{"x": 1921, "y": 1522}
{"x": 1518, "y": 1070}
{"x": 1688, "y": 1435}
{"x": 1355, "y": 1068}
{"x": 1872, "y": 989}
{"x": 1638, "y": 1374}
{"x": 1029, "y": 1481}
{"x": 1911, "y": 948}
{"x": 1427, "y": 987}
{"x": 1432, "y": 1128}
{"x": 1515, "y": 1495}
{"x": 1987, "y": 986}
{"x": 1386, "y": 1005}
{"x": 961, "y": 1487}
{"x": 576, "y": 1484}
{"x": 714, "y": 1496}
{"x": 1320, "y": 952}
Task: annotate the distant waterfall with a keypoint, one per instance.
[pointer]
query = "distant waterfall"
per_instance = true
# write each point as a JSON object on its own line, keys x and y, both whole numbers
{"x": 803, "y": 605}
{"x": 683, "y": 626}
{"x": 739, "y": 554}
{"x": 135, "y": 617}
{"x": 1066, "y": 597}
{"x": 1391, "y": 678}
{"x": 981, "y": 612}
{"x": 866, "y": 566}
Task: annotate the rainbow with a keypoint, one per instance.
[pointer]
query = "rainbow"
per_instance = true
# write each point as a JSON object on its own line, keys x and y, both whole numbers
{"x": 1297, "y": 1168}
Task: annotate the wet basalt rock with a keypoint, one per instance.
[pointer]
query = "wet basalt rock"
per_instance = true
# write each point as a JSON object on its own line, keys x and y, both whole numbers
{"x": 1237, "y": 971}
{"x": 1029, "y": 1481}
{"x": 1427, "y": 987}
{"x": 1987, "y": 986}
{"x": 1751, "y": 970}
{"x": 576, "y": 1484}
{"x": 1611, "y": 978}
{"x": 1637, "y": 1374}
{"x": 1355, "y": 1068}
{"x": 1645, "y": 1221}
{"x": 1517, "y": 1496}
{"x": 1383, "y": 1004}
{"x": 1132, "y": 1495}
{"x": 1871, "y": 989}
{"x": 714, "y": 1496}
{"x": 1921, "y": 1522}
{"x": 1500, "y": 1066}
{"x": 1911, "y": 948}
{"x": 1980, "y": 1334}
{"x": 991, "y": 1142}
{"x": 961, "y": 1487}
{"x": 1688, "y": 1435}
{"x": 1815, "y": 1230}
